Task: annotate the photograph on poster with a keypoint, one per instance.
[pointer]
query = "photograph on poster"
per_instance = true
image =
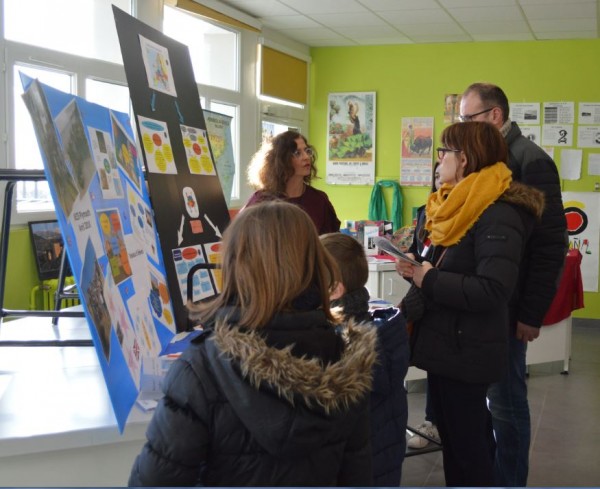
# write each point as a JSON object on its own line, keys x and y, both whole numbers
{"x": 157, "y": 146}
{"x": 351, "y": 136}
{"x": 75, "y": 145}
{"x": 38, "y": 109}
{"x": 92, "y": 288}
{"x": 158, "y": 67}
{"x": 126, "y": 152}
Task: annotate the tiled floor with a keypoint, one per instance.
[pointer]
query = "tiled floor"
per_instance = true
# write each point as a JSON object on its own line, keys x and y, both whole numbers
{"x": 565, "y": 411}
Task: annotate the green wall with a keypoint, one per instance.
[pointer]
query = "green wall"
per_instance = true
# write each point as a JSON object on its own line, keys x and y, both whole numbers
{"x": 21, "y": 273}
{"x": 411, "y": 81}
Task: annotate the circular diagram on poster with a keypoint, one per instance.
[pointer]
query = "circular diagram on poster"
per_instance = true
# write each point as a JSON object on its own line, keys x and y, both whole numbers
{"x": 577, "y": 220}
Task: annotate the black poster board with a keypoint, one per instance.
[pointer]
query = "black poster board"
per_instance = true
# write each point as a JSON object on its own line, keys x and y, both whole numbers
{"x": 188, "y": 202}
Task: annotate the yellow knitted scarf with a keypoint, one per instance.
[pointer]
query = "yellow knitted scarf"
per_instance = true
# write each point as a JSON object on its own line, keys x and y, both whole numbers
{"x": 452, "y": 210}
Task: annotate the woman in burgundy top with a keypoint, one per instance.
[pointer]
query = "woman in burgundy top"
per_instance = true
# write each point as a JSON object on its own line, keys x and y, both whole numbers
{"x": 282, "y": 170}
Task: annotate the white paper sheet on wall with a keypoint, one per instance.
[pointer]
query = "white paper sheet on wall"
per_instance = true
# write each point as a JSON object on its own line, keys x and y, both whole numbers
{"x": 570, "y": 164}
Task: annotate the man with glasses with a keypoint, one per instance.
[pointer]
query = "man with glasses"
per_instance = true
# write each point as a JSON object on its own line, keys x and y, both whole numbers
{"x": 540, "y": 273}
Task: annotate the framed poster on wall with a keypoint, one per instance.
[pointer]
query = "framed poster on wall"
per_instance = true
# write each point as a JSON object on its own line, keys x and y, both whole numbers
{"x": 351, "y": 138}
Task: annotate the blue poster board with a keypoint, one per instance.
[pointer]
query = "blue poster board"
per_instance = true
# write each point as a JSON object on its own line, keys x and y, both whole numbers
{"x": 96, "y": 181}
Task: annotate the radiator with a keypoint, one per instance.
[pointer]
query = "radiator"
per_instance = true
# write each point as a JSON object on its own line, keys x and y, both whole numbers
{"x": 43, "y": 296}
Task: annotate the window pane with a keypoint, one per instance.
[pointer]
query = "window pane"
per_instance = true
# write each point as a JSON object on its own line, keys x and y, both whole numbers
{"x": 213, "y": 50}
{"x": 55, "y": 24}
{"x": 32, "y": 195}
{"x": 111, "y": 95}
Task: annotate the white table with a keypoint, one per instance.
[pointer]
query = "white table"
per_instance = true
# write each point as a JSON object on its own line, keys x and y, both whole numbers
{"x": 57, "y": 426}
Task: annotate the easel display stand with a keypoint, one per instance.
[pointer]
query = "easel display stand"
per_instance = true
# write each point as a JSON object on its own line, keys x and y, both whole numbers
{"x": 11, "y": 177}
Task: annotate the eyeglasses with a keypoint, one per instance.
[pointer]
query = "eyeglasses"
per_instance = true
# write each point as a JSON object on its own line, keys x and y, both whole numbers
{"x": 307, "y": 151}
{"x": 441, "y": 152}
{"x": 469, "y": 117}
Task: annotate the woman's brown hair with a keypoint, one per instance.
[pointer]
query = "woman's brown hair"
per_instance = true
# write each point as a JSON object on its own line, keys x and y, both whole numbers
{"x": 271, "y": 166}
{"x": 481, "y": 142}
{"x": 270, "y": 255}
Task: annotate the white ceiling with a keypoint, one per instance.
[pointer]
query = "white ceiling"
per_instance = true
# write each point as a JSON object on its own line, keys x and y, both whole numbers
{"x": 368, "y": 22}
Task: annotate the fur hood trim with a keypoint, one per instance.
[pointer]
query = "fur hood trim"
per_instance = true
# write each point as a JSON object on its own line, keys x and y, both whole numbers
{"x": 334, "y": 386}
{"x": 525, "y": 196}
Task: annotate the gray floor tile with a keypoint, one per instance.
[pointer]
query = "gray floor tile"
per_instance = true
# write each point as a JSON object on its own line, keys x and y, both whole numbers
{"x": 564, "y": 411}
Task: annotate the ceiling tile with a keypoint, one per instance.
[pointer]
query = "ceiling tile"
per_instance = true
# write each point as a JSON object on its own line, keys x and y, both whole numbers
{"x": 571, "y": 10}
{"x": 324, "y": 6}
{"x": 549, "y": 2}
{"x": 348, "y": 19}
{"x": 412, "y": 30}
{"x": 351, "y": 22}
{"x": 383, "y": 5}
{"x": 567, "y": 35}
{"x": 259, "y": 8}
{"x": 288, "y": 21}
{"x": 486, "y": 13}
{"x": 377, "y": 41}
{"x": 427, "y": 16}
{"x": 517, "y": 36}
{"x": 573, "y": 25}
{"x": 496, "y": 27}
{"x": 432, "y": 37}
{"x": 328, "y": 42}
{"x": 314, "y": 33}
{"x": 449, "y": 4}
{"x": 363, "y": 32}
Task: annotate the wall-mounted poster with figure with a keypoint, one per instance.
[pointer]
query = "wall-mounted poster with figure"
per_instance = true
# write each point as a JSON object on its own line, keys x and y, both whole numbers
{"x": 351, "y": 138}
{"x": 103, "y": 209}
{"x": 188, "y": 202}
{"x": 417, "y": 151}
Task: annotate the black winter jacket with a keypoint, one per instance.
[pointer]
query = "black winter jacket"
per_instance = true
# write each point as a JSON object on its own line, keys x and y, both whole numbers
{"x": 389, "y": 406}
{"x": 286, "y": 405}
{"x": 548, "y": 246}
{"x": 464, "y": 331}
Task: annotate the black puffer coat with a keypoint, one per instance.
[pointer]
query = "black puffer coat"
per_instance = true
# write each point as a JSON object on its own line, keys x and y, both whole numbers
{"x": 548, "y": 245}
{"x": 389, "y": 406}
{"x": 286, "y": 405}
{"x": 464, "y": 331}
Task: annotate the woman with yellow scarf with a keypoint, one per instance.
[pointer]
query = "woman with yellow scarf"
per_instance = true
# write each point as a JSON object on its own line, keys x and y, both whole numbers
{"x": 479, "y": 222}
